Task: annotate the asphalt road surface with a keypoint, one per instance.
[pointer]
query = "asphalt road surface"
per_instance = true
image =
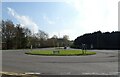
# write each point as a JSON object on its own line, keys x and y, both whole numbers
{"x": 104, "y": 62}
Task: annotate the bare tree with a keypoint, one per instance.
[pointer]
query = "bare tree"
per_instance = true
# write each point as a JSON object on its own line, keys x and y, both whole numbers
{"x": 42, "y": 38}
{"x": 66, "y": 40}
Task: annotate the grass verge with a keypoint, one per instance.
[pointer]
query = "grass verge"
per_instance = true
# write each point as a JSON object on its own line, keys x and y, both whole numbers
{"x": 60, "y": 52}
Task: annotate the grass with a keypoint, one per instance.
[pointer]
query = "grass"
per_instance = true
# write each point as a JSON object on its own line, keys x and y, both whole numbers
{"x": 62, "y": 52}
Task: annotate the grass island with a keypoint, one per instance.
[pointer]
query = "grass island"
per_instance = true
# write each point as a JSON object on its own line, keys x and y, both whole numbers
{"x": 60, "y": 52}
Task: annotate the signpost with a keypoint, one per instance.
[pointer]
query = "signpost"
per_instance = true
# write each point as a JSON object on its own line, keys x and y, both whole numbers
{"x": 83, "y": 48}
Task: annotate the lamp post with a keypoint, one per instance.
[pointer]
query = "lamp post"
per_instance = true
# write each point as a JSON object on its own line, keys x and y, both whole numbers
{"x": 31, "y": 47}
{"x": 58, "y": 40}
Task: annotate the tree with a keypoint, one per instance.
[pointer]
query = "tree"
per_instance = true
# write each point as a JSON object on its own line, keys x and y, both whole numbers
{"x": 13, "y": 36}
{"x": 55, "y": 36}
{"x": 66, "y": 40}
{"x": 55, "y": 40}
{"x": 42, "y": 37}
{"x": 20, "y": 37}
{"x": 99, "y": 40}
{"x": 0, "y": 34}
{"x": 7, "y": 34}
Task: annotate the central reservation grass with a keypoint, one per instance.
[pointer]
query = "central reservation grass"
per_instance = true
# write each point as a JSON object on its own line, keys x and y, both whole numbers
{"x": 62, "y": 52}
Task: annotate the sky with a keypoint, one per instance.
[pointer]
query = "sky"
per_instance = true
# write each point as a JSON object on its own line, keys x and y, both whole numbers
{"x": 68, "y": 17}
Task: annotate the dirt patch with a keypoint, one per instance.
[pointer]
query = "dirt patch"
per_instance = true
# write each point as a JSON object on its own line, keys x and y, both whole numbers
{"x": 10, "y": 74}
{"x": 5, "y": 75}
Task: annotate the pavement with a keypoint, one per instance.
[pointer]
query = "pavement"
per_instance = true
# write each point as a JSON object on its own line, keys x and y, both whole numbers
{"x": 104, "y": 62}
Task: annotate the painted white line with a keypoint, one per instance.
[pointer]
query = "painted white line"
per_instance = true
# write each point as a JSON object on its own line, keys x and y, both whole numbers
{"x": 95, "y": 73}
{"x": 35, "y": 73}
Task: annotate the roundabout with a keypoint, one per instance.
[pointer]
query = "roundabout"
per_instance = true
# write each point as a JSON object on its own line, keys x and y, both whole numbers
{"x": 61, "y": 52}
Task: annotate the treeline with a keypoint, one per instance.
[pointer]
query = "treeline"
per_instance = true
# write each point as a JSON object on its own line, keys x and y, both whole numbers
{"x": 16, "y": 37}
{"x": 98, "y": 40}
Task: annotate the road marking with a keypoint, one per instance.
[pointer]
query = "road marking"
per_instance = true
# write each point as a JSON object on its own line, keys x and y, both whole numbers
{"x": 95, "y": 73}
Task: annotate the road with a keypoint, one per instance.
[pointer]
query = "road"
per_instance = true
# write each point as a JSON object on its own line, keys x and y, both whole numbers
{"x": 104, "y": 62}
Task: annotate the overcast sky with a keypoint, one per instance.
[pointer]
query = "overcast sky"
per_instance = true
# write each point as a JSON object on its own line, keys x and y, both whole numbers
{"x": 69, "y": 17}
